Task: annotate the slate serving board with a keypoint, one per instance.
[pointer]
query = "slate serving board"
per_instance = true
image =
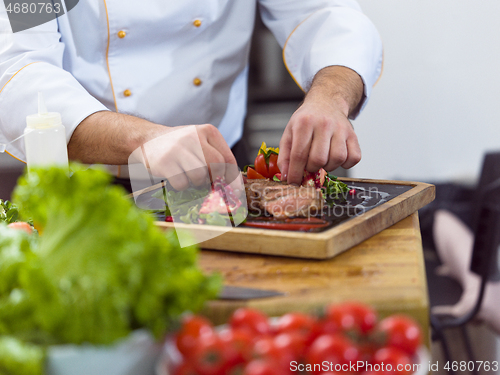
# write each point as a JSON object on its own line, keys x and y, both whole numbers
{"x": 388, "y": 203}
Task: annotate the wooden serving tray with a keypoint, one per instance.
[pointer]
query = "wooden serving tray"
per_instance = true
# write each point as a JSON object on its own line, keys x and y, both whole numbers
{"x": 318, "y": 245}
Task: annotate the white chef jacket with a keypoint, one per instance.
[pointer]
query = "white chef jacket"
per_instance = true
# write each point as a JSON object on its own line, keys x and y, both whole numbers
{"x": 169, "y": 61}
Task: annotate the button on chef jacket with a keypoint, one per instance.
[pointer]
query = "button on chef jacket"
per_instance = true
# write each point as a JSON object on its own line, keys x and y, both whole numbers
{"x": 173, "y": 62}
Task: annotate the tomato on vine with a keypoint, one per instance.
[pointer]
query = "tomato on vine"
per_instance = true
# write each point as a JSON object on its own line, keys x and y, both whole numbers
{"x": 402, "y": 332}
{"x": 193, "y": 327}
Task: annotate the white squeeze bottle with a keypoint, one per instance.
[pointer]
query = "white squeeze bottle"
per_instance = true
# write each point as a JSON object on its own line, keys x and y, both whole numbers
{"x": 45, "y": 138}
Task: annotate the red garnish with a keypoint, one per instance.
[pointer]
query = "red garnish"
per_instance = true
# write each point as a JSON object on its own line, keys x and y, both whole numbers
{"x": 295, "y": 224}
{"x": 252, "y": 174}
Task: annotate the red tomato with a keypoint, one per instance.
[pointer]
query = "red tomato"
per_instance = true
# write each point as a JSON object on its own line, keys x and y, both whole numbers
{"x": 253, "y": 175}
{"x": 394, "y": 360}
{"x": 261, "y": 166}
{"x": 295, "y": 322}
{"x": 238, "y": 343}
{"x": 185, "y": 369}
{"x": 293, "y": 343}
{"x": 209, "y": 356}
{"x": 402, "y": 332}
{"x": 333, "y": 348}
{"x": 21, "y": 225}
{"x": 353, "y": 316}
{"x": 261, "y": 367}
{"x": 367, "y": 350}
{"x": 192, "y": 328}
{"x": 250, "y": 320}
{"x": 273, "y": 165}
{"x": 265, "y": 347}
{"x": 319, "y": 328}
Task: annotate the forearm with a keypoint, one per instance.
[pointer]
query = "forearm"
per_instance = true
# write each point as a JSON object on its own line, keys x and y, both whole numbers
{"x": 337, "y": 86}
{"x": 109, "y": 137}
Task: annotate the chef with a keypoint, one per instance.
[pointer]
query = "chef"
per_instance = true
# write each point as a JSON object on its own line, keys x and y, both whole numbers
{"x": 122, "y": 73}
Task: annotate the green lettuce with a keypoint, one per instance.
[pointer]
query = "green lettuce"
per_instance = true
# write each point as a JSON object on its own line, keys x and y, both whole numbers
{"x": 100, "y": 269}
{"x": 8, "y": 212}
{"x": 17, "y": 357}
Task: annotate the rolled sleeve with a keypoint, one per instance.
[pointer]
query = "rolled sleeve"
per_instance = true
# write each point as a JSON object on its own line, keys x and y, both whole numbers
{"x": 31, "y": 62}
{"x": 329, "y": 33}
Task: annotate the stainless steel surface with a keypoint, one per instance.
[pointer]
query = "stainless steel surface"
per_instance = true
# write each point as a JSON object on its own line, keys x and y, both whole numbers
{"x": 240, "y": 293}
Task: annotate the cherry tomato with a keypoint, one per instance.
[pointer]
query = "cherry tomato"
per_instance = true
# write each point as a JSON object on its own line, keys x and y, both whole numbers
{"x": 185, "y": 369}
{"x": 250, "y": 320}
{"x": 293, "y": 322}
{"x": 292, "y": 344}
{"x": 21, "y": 225}
{"x": 192, "y": 328}
{"x": 333, "y": 348}
{"x": 209, "y": 356}
{"x": 402, "y": 332}
{"x": 238, "y": 342}
{"x": 252, "y": 174}
{"x": 394, "y": 360}
{"x": 260, "y": 367}
{"x": 261, "y": 166}
{"x": 273, "y": 165}
{"x": 353, "y": 316}
{"x": 367, "y": 350}
{"x": 265, "y": 347}
{"x": 319, "y": 328}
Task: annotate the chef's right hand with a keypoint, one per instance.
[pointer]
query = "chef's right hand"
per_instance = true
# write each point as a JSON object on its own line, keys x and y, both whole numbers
{"x": 180, "y": 154}
{"x": 189, "y": 154}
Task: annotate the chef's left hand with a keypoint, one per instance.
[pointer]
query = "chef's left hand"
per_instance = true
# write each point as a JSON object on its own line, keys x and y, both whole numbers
{"x": 319, "y": 134}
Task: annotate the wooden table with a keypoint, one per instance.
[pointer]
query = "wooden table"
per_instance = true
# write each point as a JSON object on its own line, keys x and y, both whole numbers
{"x": 386, "y": 271}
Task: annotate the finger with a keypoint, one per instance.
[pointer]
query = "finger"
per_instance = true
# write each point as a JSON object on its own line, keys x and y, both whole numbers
{"x": 301, "y": 144}
{"x": 284, "y": 154}
{"x": 318, "y": 154}
{"x": 353, "y": 152}
{"x": 177, "y": 178}
{"x": 195, "y": 169}
{"x": 338, "y": 151}
{"x": 215, "y": 161}
{"x": 198, "y": 176}
{"x": 235, "y": 180}
{"x": 216, "y": 140}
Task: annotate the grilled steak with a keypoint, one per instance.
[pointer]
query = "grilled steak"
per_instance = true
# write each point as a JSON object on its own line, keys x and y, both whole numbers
{"x": 282, "y": 200}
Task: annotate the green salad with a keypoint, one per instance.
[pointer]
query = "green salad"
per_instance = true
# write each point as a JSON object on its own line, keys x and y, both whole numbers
{"x": 216, "y": 205}
{"x": 99, "y": 270}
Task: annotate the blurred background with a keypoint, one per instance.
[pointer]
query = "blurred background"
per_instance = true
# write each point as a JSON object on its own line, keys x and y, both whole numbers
{"x": 431, "y": 118}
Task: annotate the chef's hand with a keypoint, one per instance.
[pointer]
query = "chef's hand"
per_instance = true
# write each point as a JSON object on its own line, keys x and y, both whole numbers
{"x": 191, "y": 154}
{"x": 319, "y": 134}
{"x": 180, "y": 154}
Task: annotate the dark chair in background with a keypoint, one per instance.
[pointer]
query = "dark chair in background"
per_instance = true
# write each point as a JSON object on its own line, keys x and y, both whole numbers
{"x": 484, "y": 260}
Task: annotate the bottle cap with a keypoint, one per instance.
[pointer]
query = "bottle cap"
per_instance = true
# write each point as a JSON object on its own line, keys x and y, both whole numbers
{"x": 43, "y": 119}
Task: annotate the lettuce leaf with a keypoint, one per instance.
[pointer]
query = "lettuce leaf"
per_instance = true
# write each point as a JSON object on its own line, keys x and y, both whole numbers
{"x": 8, "y": 212}
{"x": 17, "y": 357}
{"x": 100, "y": 269}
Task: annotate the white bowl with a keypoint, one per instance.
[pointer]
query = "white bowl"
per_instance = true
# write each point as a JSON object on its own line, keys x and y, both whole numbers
{"x": 137, "y": 354}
